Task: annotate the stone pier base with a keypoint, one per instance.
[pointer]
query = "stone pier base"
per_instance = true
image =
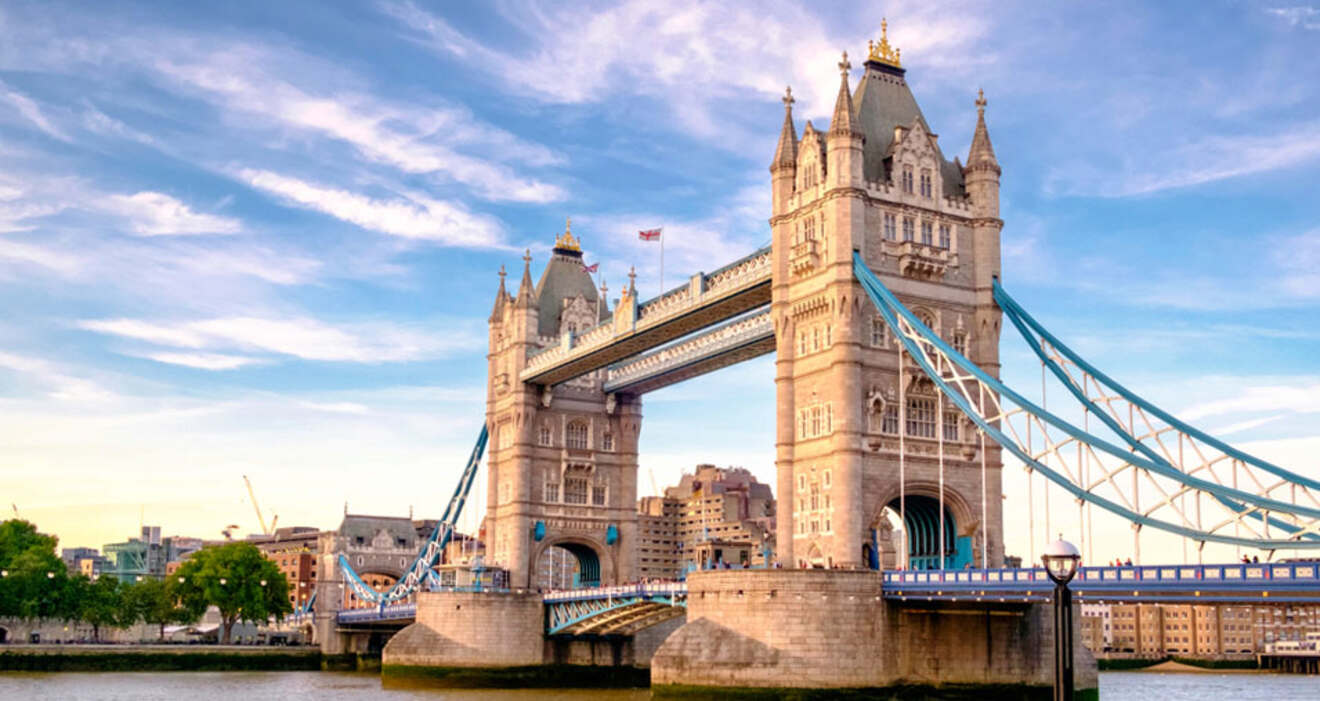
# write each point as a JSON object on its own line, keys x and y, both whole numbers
{"x": 830, "y": 629}
{"x": 470, "y": 629}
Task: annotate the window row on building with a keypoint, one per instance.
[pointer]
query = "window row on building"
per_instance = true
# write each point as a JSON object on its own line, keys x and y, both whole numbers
{"x": 934, "y": 234}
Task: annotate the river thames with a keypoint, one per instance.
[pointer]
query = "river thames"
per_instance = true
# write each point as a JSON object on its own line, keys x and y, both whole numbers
{"x": 331, "y": 686}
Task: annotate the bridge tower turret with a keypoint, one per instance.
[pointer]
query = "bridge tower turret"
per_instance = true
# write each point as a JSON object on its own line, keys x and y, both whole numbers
{"x": 877, "y": 183}
{"x": 562, "y": 459}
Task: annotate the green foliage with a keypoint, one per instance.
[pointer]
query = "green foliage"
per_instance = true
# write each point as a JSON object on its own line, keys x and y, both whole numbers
{"x": 101, "y": 603}
{"x": 156, "y": 602}
{"x": 235, "y": 578}
{"x": 34, "y": 582}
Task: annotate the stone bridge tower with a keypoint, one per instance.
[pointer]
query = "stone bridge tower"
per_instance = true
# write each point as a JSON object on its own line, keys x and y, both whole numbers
{"x": 877, "y": 182}
{"x": 562, "y": 460}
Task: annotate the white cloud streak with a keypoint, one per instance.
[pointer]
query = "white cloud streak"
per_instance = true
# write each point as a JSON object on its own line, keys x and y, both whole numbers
{"x": 158, "y": 214}
{"x": 417, "y": 217}
{"x": 31, "y": 111}
{"x": 303, "y": 338}
{"x": 1289, "y": 398}
{"x": 412, "y": 140}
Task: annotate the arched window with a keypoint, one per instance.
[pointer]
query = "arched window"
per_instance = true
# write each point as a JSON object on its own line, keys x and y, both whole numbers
{"x": 927, "y": 189}
{"x": 576, "y": 438}
{"x": 907, "y": 179}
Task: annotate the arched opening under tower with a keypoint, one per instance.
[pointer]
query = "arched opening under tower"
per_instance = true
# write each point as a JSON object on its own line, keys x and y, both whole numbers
{"x": 568, "y": 566}
{"x": 917, "y": 517}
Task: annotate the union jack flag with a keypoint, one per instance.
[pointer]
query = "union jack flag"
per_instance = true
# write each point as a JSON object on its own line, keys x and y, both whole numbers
{"x": 650, "y": 234}
{"x": 590, "y": 268}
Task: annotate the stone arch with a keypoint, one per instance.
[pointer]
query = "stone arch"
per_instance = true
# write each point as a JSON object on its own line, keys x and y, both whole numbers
{"x": 596, "y": 565}
{"x": 815, "y": 558}
{"x": 4, "y": 635}
{"x": 379, "y": 573}
{"x": 962, "y": 524}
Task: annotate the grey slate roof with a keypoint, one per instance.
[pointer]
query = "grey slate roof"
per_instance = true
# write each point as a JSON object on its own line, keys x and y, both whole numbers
{"x": 563, "y": 278}
{"x": 881, "y": 102}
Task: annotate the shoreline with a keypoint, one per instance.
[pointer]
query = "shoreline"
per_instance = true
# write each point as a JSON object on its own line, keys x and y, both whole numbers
{"x": 113, "y": 657}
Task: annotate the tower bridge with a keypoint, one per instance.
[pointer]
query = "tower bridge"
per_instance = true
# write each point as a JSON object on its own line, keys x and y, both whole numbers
{"x": 882, "y": 298}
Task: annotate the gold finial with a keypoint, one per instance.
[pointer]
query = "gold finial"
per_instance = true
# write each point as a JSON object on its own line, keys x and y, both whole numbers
{"x": 882, "y": 52}
{"x": 567, "y": 242}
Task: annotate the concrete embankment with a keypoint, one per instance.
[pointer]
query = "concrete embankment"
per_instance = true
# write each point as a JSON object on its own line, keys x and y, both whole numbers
{"x": 157, "y": 658}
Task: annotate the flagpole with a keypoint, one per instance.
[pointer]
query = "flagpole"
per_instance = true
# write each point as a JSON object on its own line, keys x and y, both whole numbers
{"x": 662, "y": 260}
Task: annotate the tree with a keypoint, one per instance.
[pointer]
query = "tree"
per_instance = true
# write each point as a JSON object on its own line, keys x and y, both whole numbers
{"x": 235, "y": 578}
{"x": 32, "y": 577}
{"x": 156, "y": 602}
{"x": 101, "y": 602}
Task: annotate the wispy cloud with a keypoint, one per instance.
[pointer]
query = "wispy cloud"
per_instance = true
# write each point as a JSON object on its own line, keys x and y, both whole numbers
{"x": 416, "y": 217}
{"x": 304, "y": 338}
{"x": 410, "y": 139}
{"x": 1299, "y": 399}
{"x": 205, "y": 361}
{"x": 1204, "y": 159}
{"x": 585, "y": 54}
{"x": 31, "y": 111}
{"x": 158, "y": 214}
{"x": 1303, "y": 16}
{"x": 58, "y": 383}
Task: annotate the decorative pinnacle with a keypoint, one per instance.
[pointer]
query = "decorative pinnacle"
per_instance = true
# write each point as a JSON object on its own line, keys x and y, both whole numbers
{"x": 980, "y": 101}
{"x": 527, "y": 258}
{"x": 632, "y": 279}
{"x": 567, "y": 242}
{"x": 788, "y": 97}
{"x": 844, "y": 66}
{"x": 882, "y": 52}
{"x": 502, "y": 274}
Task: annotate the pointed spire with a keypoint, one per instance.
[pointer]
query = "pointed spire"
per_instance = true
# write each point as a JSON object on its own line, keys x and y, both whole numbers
{"x": 786, "y": 150}
{"x": 982, "y": 154}
{"x": 525, "y": 287}
{"x": 842, "y": 122}
{"x": 632, "y": 281}
{"x": 501, "y": 298}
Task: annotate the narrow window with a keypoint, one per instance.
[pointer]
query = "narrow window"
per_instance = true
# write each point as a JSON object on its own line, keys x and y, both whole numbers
{"x": 907, "y": 179}
{"x": 607, "y": 442}
{"x": 926, "y": 189}
{"x": 544, "y": 438}
{"x": 946, "y": 236}
{"x": 891, "y": 227}
{"x": 575, "y": 490}
{"x": 921, "y": 417}
{"x": 890, "y": 424}
{"x": 577, "y": 436}
{"x": 909, "y": 228}
{"x": 926, "y": 234}
{"x": 878, "y": 327}
{"x": 950, "y": 425}
{"x": 552, "y": 492}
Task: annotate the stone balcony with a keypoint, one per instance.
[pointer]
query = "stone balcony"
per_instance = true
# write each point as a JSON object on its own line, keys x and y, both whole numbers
{"x": 804, "y": 257}
{"x": 922, "y": 261}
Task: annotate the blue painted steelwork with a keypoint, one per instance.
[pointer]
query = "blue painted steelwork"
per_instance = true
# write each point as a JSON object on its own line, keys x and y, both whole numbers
{"x": 569, "y": 608}
{"x": 891, "y": 309}
{"x": 396, "y": 613}
{"x": 418, "y": 571}
{"x": 1257, "y": 582}
{"x": 1034, "y": 333}
{"x": 307, "y": 608}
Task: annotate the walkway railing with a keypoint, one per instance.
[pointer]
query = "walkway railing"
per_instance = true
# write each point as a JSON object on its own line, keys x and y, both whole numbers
{"x": 700, "y": 291}
{"x": 1205, "y": 583}
{"x": 731, "y": 335}
{"x": 396, "y": 612}
{"x": 663, "y": 589}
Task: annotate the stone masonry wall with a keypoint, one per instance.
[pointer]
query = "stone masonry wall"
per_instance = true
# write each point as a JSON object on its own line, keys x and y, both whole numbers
{"x": 469, "y": 629}
{"x": 832, "y": 629}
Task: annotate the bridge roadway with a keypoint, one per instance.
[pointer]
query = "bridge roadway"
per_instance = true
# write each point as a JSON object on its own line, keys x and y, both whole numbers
{"x": 707, "y": 299}
{"x": 625, "y": 609}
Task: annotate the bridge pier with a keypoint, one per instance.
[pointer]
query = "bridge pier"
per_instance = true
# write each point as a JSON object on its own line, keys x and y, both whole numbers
{"x": 831, "y": 629}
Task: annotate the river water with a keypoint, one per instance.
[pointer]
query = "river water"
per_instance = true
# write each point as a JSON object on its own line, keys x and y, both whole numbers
{"x": 333, "y": 686}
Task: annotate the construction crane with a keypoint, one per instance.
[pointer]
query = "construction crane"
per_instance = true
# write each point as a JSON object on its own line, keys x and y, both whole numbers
{"x": 654, "y": 488}
{"x": 260, "y": 519}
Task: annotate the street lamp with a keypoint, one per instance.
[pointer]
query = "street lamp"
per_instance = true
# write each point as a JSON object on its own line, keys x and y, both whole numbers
{"x": 1061, "y": 559}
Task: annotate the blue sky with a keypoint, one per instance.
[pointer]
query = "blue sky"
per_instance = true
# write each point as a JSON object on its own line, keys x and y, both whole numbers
{"x": 262, "y": 238}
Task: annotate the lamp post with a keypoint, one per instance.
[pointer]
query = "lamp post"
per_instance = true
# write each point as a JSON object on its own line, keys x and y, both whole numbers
{"x": 1061, "y": 559}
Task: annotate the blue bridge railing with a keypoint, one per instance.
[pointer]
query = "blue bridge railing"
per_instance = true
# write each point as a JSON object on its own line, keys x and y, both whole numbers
{"x": 1292, "y": 581}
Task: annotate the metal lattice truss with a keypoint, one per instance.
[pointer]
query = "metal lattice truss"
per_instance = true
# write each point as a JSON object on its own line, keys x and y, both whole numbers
{"x": 1202, "y": 489}
{"x": 612, "y": 616}
{"x": 420, "y": 572}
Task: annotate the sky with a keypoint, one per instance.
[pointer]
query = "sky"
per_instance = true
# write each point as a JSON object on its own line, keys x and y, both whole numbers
{"x": 262, "y": 239}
